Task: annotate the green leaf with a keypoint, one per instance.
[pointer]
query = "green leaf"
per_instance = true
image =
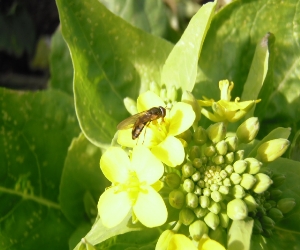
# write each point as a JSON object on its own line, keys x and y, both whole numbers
{"x": 239, "y": 234}
{"x": 82, "y": 182}
{"x": 180, "y": 69}
{"x": 36, "y": 130}
{"x": 112, "y": 60}
{"x": 61, "y": 67}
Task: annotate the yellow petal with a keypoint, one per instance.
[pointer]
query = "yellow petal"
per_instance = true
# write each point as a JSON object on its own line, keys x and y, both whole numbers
{"x": 114, "y": 164}
{"x": 113, "y": 207}
{"x": 147, "y": 167}
{"x": 181, "y": 242}
{"x": 208, "y": 244}
{"x": 233, "y": 106}
{"x": 149, "y": 100}
{"x": 182, "y": 117}
{"x": 150, "y": 208}
{"x": 170, "y": 151}
{"x": 157, "y": 185}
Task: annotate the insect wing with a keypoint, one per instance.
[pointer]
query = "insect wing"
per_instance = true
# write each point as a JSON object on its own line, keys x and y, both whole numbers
{"x": 129, "y": 122}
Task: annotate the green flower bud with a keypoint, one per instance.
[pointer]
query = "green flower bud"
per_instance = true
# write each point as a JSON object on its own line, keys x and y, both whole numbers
{"x": 216, "y": 132}
{"x": 248, "y": 181}
{"x": 275, "y": 194}
{"x": 201, "y": 183}
{"x": 212, "y": 220}
{"x": 200, "y": 212}
{"x": 194, "y": 152}
{"x": 214, "y": 207}
{"x": 204, "y": 159}
{"x": 197, "y": 190}
{"x": 186, "y": 216}
{"x": 218, "y": 159}
{"x": 272, "y": 203}
{"x": 130, "y": 105}
{"x": 216, "y": 196}
{"x": 164, "y": 239}
{"x": 267, "y": 233}
{"x": 267, "y": 222}
{"x": 163, "y": 94}
{"x": 261, "y": 211}
{"x": 278, "y": 179}
{"x": 188, "y": 185}
{"x": 154, "y": 87}
{"x": 229, "y": 169}
{"x": 204, "y": 201}
{"x": 191, "y": 200}
{"x": 286, "y": 205}
{"x": 223, "y": 174}
{"x": 196, "y": 176}
{"x": 263, "y": 183}
{"x": 187, "y": 170}
{"x": 227, "y": 182}
{"x": 232, "y": 143}
{"x": 239, "y": 155}
{"x": 273, "y": 149}
{"x": 237, "y": 209}
{"x": 197, "y": 163}
{"x": 200, "y": 136}
{"x": 176, "y": 198}
{"x": 197, "y": 229}
{"x": 189, "y": 98}
{"x": 229, "y": 158}
{"x": 250, "y": 202}
{"x": 221, "y": 147}
{"x": 240, "y": 166}
{"x": 172, "y": 93}
{"x": 235, "y": 178}
{"x": 186, "y": 135}
{"x": 257, "y": 227}
{"x": 224, "y": 190}
{"x": 253, "y": 165}
{"x": 248, "y": 130}
{"x": 267, "y": 205}
{"x": 224, "y": 219}
{"x": 238, "y": 191}
{"x": 173, "y": 180}
{"x": 214, "y": 187}
{"x": 210, "y": 151}
{"x": 275, "y": 214}
{"x": 206, "y": 192}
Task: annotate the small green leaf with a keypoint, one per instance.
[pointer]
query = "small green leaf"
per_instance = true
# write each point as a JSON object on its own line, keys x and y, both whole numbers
{"x": 239, "y": 234}
{"x": 180, "y": 69}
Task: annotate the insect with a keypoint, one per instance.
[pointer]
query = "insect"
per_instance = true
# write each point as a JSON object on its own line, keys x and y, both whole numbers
{"x": 142, "y": 119}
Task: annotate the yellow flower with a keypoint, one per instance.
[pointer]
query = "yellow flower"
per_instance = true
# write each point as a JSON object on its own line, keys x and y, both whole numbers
{"x": 135, "y": 183}
{"x": 225, "y": 110}
{"x": 160, "y": 135}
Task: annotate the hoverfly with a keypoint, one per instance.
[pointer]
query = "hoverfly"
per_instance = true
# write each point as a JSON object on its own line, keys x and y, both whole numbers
{"x": 142, "y": 119}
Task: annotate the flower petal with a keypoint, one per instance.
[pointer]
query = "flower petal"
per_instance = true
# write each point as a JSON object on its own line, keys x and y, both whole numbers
{"x": 181, "y": 242}
{"x": 170, "y": 151}
{"x": 150, "y": 208}
{"x": 208, "y": 244}
{"x": 109, "y": 207}
{"x": 146, "y": 165}
{"x": 114, "y": 164}
{"x": 182, "y": 117}
{"x": 149, "y": 100}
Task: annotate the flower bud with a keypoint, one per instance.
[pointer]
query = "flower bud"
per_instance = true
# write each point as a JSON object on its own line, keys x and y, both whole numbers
{"x": 223, "y": 190}
{"x": 216, "y": 196}
{"x": 257, "y": 227}
{"x": 164, "y": 239}
{"x": 154, "y": 87}
{"x": 197, "y": 190}
{"x": 235, "y": 178}
{"x": 186, "y": 216}
{"x": 214, "y": 207}
{"x": 204, "y": 201}
{"x": 240, "y": 166}
{"x": 201, "y": 183}
{"x": 206, "y": 192}
{"x": 286, "y": 205}
{"x": 239, "y": 155}
{"x": 197, "y": 163}
{"x": 237, "y": 209}
{"x": 229, "y": 158}
{"x": 227, "y": 182}
{"x": 267, "y": 222}
{"x": 232, "y": 143}
{"x": 172, "y": 93}
{"x": 173, "y": 180}
{"x": 263, "y": 183}
{"x": 229, "y": 169}
{"x": 250, "y": 202}
{"x": 248, "y": 181}
{"x": 196, "y": 176}
{"x": 200, "y": 136}
{"x": 267, "y": 233}
{"x": 188, "y": 185}
{"x": 130, "y": 105}
{"x": 176, "y": 198}
{"x": 214, "y": 187}
{"x": 216, "y": 132}
{"x": 275, "y": 194}
{"x": 224, "y": 219}
{"x": 197, "y": 229}
{"x": 253, "y": 165}
{"x": 221, "y": 147}
{"x": 275, "y": 214}
{"x": 248, "y": 130}
{"x": 189, "y": 98}
{"x": 186, "y": 135}
{"x": 218, "y": 159}
{"x": 278, "y": 179}
{"x": 209, "y": 151}
{"x": 187, "y": 169}
{"x": 212, "y": 220}
{"x": 191, "y": 200}
{"x": 238, "y": 191}
{"x": 200, "y": 212}
{"x": 273, "y": 149}
{"x": 194, "y": 152}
